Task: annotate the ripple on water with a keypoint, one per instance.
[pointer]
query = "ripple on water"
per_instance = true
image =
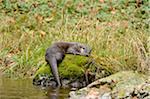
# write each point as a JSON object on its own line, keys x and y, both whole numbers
{"x": 24, "y": 89}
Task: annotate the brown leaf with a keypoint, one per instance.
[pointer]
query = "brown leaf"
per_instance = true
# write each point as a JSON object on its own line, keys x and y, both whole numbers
{"x": 101, "y": 1}
{"x": 42, "y": 33}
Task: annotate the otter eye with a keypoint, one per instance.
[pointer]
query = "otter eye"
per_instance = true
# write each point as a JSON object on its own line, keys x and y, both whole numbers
{"x": 83, "y": 48}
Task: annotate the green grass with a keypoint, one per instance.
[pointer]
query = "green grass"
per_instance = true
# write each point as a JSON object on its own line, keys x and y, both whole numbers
{"x": 118, "y": 32}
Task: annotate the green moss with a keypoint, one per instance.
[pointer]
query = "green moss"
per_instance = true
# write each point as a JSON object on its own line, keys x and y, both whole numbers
{"x": 71, "y": 67}
{"x": 71, "y": 71}
{"x": 75, "y": 59}
{"x": 43, "y": 70}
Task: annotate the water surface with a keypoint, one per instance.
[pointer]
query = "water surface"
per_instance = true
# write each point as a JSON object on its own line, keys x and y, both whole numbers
{"x": 24, "y": 89}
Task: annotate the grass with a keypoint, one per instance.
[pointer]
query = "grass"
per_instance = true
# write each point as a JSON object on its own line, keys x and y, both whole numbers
{"x": 118, "y": 32}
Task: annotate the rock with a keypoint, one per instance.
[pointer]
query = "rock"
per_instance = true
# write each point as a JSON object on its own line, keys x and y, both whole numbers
{"x": 46, "y": 81}
{"x": 71, "y": 67}
{"x": 76, "y": 84}
{"x": 73, "y": 94}
{"x": 71, "y": 72}
{"x": 65, "y": 83}
{"x": 105, "y": 96}
{"x": 122, "y": 85}
{"x": 93, "y": 94}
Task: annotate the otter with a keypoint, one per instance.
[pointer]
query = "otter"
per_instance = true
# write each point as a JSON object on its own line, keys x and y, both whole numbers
{"x": 57, "y": 51}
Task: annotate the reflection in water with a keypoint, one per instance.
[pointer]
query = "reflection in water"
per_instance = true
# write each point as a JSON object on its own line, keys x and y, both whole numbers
{"x": 58, "y": 94}
{"x": 24, "y": 89}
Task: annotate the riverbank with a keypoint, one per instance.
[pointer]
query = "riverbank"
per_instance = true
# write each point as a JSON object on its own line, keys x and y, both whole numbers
{"x": 122, "y": 85}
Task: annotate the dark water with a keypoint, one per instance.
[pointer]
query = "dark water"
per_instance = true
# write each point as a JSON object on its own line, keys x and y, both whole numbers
{"x": 24, "y": 89}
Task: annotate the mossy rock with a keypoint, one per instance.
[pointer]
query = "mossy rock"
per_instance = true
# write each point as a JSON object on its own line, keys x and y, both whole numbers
{"x": 121, "y": 85}
{"x": 43, "y": 70}
{"x": 122, "y": 79}
{"x": 71, "y": 67}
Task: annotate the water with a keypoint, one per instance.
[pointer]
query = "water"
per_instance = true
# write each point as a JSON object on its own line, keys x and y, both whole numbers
{"x": 24, "y": 89}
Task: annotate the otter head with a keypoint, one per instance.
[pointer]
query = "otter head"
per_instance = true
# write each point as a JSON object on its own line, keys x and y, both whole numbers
{"x": 84, "y": 49}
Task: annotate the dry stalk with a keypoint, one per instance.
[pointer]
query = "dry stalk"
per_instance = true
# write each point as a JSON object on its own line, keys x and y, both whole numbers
{"x": 142, "y": 55}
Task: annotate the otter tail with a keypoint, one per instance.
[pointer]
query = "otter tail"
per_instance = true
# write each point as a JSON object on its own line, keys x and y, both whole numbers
{"x": 53, "y": 64}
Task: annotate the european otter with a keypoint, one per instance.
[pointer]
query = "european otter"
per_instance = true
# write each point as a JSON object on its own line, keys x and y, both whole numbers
{"x": 56, "y": 53}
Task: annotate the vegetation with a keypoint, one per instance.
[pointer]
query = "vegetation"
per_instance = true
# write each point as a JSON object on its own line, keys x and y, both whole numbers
{"x": 72, "y": 67}
{"x": 117, "y": 30}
